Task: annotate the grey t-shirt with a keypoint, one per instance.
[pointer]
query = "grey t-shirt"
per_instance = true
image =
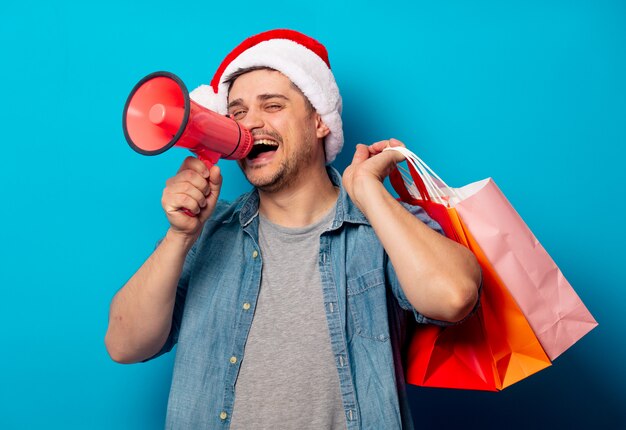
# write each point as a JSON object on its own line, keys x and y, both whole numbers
{"x": 288, "y": 378}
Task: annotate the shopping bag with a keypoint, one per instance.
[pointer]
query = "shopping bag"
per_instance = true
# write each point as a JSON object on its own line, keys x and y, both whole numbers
{"x": 490, "y": 350}
{"x": 555, "y": 312}
{"x": 558, "y": 316}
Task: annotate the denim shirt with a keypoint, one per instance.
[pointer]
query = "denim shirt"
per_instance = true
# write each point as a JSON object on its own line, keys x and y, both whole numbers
{"x": 365, "y": 307}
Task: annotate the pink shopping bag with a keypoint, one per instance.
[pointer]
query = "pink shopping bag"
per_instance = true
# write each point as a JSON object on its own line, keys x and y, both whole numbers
{"x": 555, "y": 312}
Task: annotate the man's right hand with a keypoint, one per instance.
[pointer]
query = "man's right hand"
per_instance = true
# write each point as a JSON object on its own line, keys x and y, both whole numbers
{"x": 195, "y": 189}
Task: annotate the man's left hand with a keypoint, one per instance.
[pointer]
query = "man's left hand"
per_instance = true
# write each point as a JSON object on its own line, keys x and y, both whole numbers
{"x": 370, "y": 166}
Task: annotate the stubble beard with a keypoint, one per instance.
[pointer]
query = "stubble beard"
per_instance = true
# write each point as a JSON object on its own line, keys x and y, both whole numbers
{"x": 286, "y": 173}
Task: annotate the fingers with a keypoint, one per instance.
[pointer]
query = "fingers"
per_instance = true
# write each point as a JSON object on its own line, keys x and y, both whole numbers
{"x": 361, "y": 154}
{"x": 190, "y": 197}
{"x": 215, "y": 178}
{"x": 396, "y": 142}
{"x": 191, "y": 177}
{"x": 373, "y": 161}
{"x": 189, "y": 188}
{"x": 192, "y": 163}
{"x": 215, "y": 185}
{"x": 378, "y": 147}
{"x": 176, "y": 202}
{"x": 396, "y": 156}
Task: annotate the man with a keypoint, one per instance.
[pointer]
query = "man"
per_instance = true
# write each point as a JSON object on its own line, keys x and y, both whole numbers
{"x": 286, "y": 304}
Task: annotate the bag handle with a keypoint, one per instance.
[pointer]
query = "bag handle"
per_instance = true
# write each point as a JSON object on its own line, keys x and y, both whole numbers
{"x": 409, "y": 184}
{"x": 420, "y": 182}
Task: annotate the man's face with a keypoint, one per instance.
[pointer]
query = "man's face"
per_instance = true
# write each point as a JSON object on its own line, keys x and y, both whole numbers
{"x": 285, "y": 130}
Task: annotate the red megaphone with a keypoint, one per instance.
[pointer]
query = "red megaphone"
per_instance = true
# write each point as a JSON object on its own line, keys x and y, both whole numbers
{"x": 159, "y": 114}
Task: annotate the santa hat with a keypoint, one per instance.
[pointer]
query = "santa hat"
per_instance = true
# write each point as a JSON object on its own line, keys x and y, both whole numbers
{"x": 302, "y": 59}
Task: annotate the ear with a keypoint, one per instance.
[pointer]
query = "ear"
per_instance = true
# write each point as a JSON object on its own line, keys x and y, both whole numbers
{"x": 321, "y": 129}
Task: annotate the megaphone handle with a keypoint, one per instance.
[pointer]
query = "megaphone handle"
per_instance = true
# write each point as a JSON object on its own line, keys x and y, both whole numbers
{"x": 210, "y": 159}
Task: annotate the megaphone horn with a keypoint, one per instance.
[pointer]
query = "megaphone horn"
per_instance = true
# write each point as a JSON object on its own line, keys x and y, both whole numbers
{"x": 159, "y": 114}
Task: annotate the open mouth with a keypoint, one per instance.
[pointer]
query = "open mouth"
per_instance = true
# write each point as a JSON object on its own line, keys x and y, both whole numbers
{"x": 262, "y": 148}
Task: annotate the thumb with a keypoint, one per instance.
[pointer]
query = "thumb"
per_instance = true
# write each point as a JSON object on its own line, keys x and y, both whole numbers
{"x": 394, "y": 154}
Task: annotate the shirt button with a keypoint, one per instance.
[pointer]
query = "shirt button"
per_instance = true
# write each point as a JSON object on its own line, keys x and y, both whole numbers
{"x": 255, "y": 254}
{"x": 223, "y": 415}
{"x": 246, "y": 306}
{"x": 233, "y": 359}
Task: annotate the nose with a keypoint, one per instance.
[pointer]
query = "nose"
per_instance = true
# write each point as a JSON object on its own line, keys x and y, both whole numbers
{"x": 252, "y": 120}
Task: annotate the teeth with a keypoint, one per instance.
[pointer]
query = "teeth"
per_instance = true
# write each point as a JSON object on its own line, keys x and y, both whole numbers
{"x": 265, "y": 142}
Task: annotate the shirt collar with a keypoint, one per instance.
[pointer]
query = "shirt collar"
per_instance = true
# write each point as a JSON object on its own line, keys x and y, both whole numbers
{"x": 345, "y": 210}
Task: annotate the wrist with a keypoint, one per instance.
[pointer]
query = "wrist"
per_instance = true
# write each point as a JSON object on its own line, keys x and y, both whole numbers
{"x": 179, "y": 240}
{"x": 368, "y": 192}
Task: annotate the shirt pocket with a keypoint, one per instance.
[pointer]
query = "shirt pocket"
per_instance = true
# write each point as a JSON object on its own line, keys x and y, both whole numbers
{"x": 367, "y": 304}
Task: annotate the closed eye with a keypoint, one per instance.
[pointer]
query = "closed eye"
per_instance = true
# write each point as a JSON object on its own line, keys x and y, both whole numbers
{"x": 273, "y": 107}
{"x": 238, "y": 114}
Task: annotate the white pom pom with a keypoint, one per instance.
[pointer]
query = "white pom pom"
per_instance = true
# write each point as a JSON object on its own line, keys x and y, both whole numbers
{"x": 204, "y": 96}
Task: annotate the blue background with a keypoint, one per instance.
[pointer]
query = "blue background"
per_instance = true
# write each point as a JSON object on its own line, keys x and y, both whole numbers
{"x": 532, "y": 93}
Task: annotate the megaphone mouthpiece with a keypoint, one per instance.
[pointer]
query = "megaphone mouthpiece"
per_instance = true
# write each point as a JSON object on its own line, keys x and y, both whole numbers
{"x": 168, "y": 117}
